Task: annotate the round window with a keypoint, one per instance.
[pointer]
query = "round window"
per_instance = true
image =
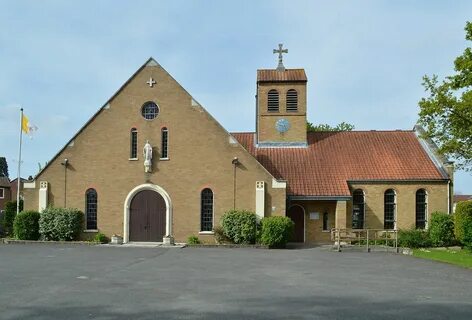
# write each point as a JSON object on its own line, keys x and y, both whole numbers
{"x": 149, "y": 110}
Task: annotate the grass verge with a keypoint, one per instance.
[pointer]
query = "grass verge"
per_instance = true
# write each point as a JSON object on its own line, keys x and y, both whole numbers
{"x": 461, "y": 258}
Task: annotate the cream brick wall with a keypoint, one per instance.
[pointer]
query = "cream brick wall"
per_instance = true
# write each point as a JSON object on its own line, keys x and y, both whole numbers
{"x": 266, "y": 120}
{"x": 406, "y": 202}
{"x": 200, "y": 156}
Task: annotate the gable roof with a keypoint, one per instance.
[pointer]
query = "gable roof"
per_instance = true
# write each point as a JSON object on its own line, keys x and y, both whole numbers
{"x": 332, "y": 159}
{"x": 287, "y": 75}
{"x": 4, "y": 182}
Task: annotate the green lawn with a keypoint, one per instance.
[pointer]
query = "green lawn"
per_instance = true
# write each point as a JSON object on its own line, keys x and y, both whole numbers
{"x": 461, "y": 258}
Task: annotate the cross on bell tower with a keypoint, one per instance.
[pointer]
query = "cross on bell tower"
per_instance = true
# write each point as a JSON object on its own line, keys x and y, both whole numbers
{"x": 280, "y": 51}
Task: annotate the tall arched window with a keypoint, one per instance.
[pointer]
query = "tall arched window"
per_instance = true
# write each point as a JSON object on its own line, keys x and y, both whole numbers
{"x": 206, "y": 213}
{"x": 273, "y": 101}
{"x": 292, "y": 100}
{"x": 91, "y": 209}
{"x": 389, "y": 209}
{"x": 421, "y": 209}
{"x": 164, "y": 143}
{"x": 325, "y": 221}
{"x": 133, "y": 147}
{"x": 358, "y": 209}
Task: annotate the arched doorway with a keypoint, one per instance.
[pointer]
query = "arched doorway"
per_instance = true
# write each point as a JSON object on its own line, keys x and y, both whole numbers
{"x": 147, "y": 217}
{"x": 297, "y": 214}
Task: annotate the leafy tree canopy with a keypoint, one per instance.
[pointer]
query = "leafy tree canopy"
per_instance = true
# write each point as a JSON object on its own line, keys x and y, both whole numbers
{"x": 343, "y": 126}
{"x": 446, "y": 114}
{"x": 3, "y": 167}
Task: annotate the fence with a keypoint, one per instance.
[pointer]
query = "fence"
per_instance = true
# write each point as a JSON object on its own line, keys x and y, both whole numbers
{"x": 367, "y": 237}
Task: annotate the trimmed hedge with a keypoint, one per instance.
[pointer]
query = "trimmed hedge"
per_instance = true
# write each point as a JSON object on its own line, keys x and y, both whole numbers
{"x": 441, "y": 229}
{"x": 462, "y": 220}
{"x": 64, "y": 224}
{"x": 414, "y": 238}
{"x": 276, "y": 231}
{"x": 9, "y": 217}
{"x": 26, "y": 225}
{"x": 240, "y": 226}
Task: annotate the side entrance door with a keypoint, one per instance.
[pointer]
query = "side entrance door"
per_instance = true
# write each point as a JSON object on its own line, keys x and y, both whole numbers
{"x": 296, "y": 213}
{"x": 147, "y": 221}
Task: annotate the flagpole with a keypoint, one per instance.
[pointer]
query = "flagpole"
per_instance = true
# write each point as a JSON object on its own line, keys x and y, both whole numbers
{"x": 18, "y": 181}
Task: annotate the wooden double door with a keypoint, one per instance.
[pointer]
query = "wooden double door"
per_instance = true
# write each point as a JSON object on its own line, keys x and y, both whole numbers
{"x": 147, "y": 221}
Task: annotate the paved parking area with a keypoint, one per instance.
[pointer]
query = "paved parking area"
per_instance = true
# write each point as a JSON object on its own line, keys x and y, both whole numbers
{"x": 82, "y": 282}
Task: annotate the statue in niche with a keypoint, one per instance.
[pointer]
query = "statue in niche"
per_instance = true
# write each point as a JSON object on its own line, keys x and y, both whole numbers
{"x": 147, "y": 153}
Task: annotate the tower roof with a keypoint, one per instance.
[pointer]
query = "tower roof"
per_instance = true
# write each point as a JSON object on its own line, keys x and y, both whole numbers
{"x": 288, "y": 75}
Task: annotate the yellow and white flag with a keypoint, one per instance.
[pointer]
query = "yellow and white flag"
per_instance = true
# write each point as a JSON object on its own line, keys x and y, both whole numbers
{"x": 27, "y": 127}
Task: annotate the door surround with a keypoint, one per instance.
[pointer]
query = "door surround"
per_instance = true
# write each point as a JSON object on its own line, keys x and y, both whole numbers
{"x": 168, "y": 238}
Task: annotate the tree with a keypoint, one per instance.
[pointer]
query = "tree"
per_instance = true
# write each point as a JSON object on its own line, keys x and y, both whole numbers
{"x": 3, "y": 167}
{"x": 446, "y": 114}
{"x": 343, "y": 126}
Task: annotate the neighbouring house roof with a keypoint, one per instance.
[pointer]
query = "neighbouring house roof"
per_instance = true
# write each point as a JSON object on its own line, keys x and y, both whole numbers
{"x": 4, "y": 182}
{"x": 462, "y": 197}
{"x": 288, "y": 75}
{"x": 334, "y": 158}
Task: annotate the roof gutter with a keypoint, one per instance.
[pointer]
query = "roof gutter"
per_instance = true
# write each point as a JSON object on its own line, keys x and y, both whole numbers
{"x": 320, "y": 198}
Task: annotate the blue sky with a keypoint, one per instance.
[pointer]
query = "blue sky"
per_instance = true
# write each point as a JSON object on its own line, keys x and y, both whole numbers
{"x": 61, "y": 60}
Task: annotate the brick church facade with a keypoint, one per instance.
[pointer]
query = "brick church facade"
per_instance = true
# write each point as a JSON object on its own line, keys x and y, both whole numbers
{"x": 153, "y": 165}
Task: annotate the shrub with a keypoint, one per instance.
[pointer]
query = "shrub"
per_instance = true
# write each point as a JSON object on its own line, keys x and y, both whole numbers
{"x": 26, "y": 225}
{"x": 193, "y": 240}
{"x": 462, "y": 216}
{"x": 63, "y": 224}
{"x": 414, "y": 238}
{"x": 220, "y": 236}
{"x": 240, "y": 226}
{"x": 276, "y": 231}
{"x": 9, "y": 216}
{"x": 467, "y": 234}
{"x": 100, "y": 238}
{"x": 441, "y": 229}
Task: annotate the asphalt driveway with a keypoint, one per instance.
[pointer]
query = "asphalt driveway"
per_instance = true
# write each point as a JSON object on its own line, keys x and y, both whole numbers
{"x": 82, "y": 282}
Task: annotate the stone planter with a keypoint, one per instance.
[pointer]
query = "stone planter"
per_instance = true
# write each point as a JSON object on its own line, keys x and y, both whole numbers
{"x": 116, "y": 239}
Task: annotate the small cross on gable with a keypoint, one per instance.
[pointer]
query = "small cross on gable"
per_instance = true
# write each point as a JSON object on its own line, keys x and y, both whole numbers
{"x": 151, "y": 82}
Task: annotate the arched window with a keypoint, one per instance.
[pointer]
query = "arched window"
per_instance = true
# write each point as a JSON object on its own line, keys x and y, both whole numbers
{"x": 358, "y": 209}
{"x": 133, "y": 148}
{"x": 389, "y": 209}
{"x": 421, "y": 209}
{"x": 273, "y": 101}
{"x": 91, "y": 209}
{"x": 164, "y": 143}
{"x": 325, "y": 221}
{"x": 292, "y": 100}
{"x": 207, "y": 210}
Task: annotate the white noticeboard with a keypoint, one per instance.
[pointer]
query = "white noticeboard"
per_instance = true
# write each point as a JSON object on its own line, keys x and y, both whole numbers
{"x": 314, "y": 215}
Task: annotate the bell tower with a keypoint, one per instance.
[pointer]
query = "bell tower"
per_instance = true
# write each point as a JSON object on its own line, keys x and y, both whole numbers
{"x": 281, "y": 106}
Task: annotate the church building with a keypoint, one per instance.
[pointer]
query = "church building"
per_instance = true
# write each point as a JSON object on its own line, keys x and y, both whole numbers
{"x": 152, "y": 165}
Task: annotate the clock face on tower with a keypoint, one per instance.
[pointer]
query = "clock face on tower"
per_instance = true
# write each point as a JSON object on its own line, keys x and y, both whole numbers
{"x": 282, "y": 125}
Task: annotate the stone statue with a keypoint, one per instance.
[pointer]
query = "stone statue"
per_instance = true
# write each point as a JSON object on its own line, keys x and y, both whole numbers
{"x": 147, "y": 153}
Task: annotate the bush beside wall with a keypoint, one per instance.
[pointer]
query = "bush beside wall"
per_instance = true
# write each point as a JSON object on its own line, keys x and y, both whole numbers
{"x": 462, "y": 220}
{"x": 414, "y": 238}
{"x": 9, "y": 217}
{"x": 441, "y": 229}
{"x": 240, "y": 226}
{"x": 276, "y": 231}
{"x": 64, "y": 224}
{"x": 26, "y": 225}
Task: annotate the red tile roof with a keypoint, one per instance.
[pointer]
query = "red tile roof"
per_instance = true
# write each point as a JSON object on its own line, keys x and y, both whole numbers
{"x": 288, "y": 75}
{"x": 333, "y": 158}
{"x": 462, "y": 197}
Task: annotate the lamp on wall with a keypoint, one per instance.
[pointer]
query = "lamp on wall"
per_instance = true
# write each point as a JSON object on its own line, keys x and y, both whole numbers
{"x": 235, "y": 163}
{"x": 65, "y": 163}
